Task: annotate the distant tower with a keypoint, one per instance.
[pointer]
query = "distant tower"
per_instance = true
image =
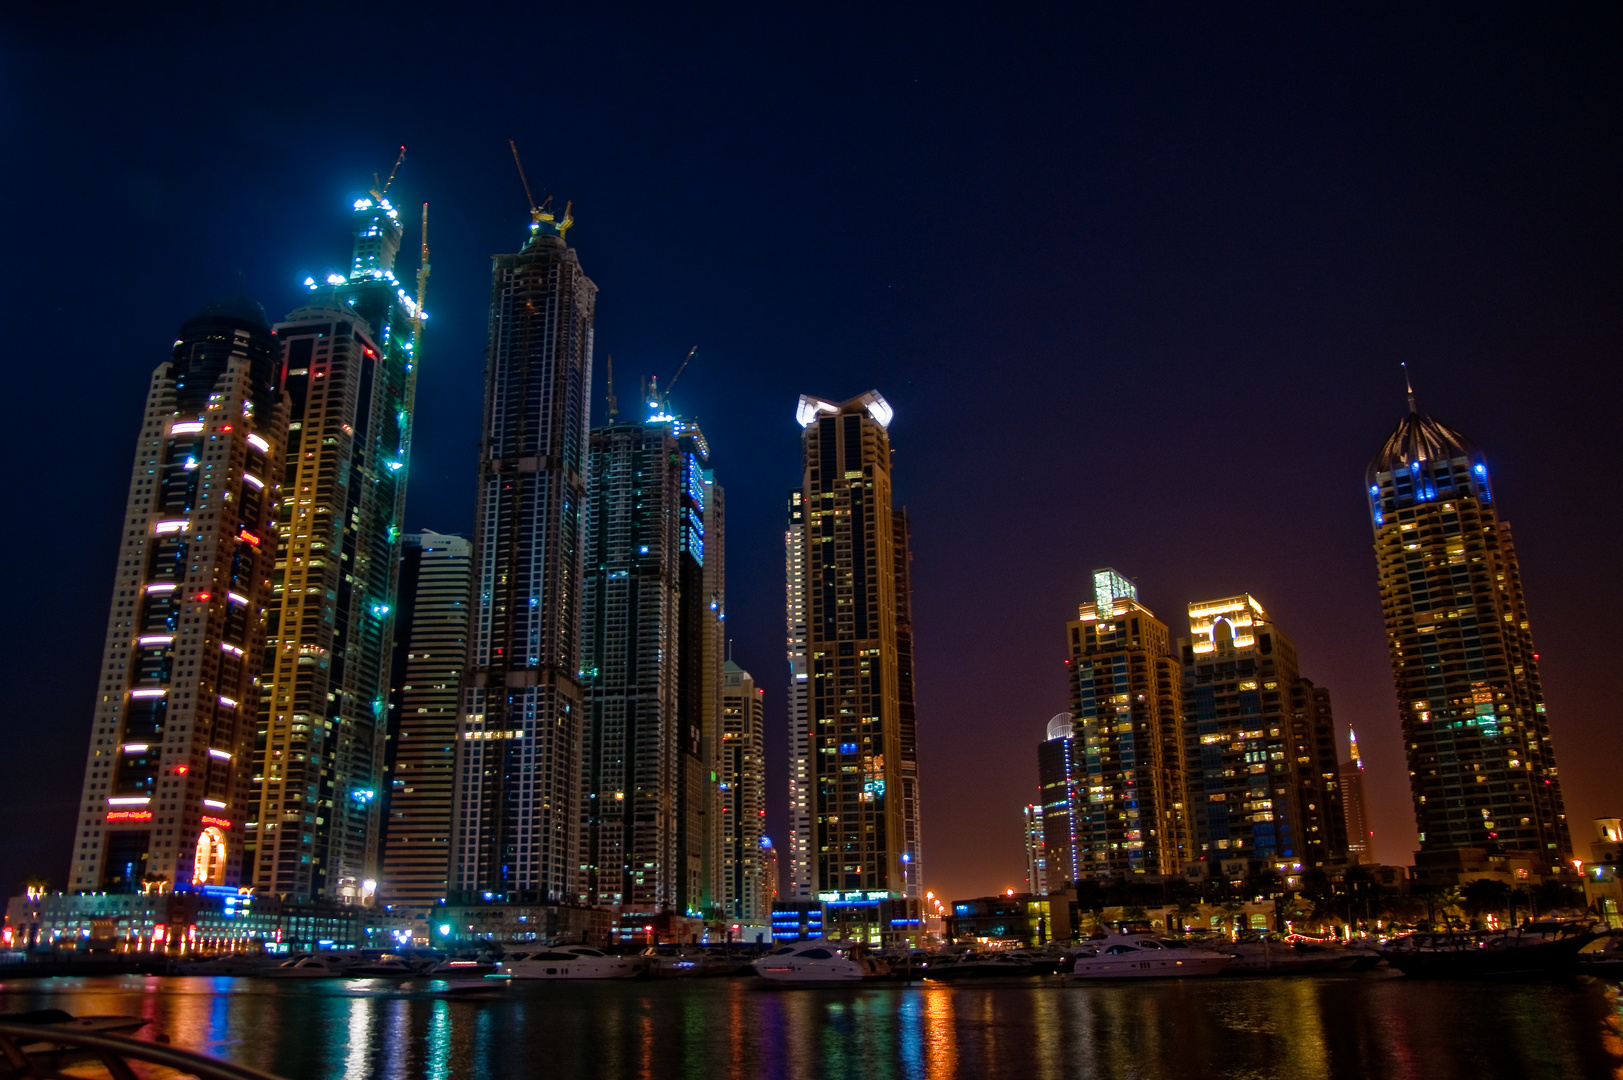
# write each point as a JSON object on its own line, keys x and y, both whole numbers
{"x": 430, "y": 651}
{"x": 862, "y": 760}
{"x": 351, "y": 379}
{"x": 518, "y": 765}
{"x": 743, "y": 801}
{"x": 1127, "y": 708}
{"x": 1352, "y": 799}
{"x": 1062, "y": 782}
{"x": 166, "y": 782}
{"x": 1036, "y": 856}
{"x": 799, "y": 886}
{"x": 1260, "y": 744}
{"x": 651, "y": 657}
{"x": 1481, "y": 767}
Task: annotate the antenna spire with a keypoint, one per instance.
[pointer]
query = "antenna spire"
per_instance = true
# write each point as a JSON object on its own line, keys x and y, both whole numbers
{"x": 1407, "y": 385}
{"x": 614, "y": 406}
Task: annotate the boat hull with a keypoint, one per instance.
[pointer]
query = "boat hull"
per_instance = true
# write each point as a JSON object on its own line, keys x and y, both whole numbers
{"x": 1172, "y": 964}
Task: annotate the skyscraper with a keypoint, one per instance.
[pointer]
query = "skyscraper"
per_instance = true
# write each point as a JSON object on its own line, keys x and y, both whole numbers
{"x": 1127, "y": 706}
{"x": 907, "y": 712}
{"x": 651, "y": 660}
{"x": 1061, "y": 782}
{"x": 1036, "y": 852}
{"x": 799, "y": 885}
{"x": 318, "y": 759}
{"x": 1481, "y": 767}
{"x": 430, "y": 651}
{"x": 166, "y": 784}
{"x": 518, "y": 767}
{"x": 854, "y": 605}
{"x": 743, "y": 800}
{"x": 1352, "y": 801}
{"x": 1263, "y": 777}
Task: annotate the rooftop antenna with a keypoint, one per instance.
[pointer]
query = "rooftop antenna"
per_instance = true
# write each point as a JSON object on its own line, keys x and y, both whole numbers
{"x": 614, "y": 406}
{"x": 379, "y": 192}
{"x": 1408, "y": 386}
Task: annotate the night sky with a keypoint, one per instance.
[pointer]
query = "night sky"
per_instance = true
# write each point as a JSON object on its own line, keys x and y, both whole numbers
{"x": 1138, "y": 291}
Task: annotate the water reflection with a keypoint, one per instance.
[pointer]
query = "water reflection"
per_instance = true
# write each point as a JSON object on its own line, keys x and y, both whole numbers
{"x": 1375, "y": 1026}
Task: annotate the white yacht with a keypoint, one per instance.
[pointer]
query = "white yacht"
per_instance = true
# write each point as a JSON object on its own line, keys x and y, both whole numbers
{"x": 570, "y": 962}
{"x": 820, "y": 963}
{"x": 318, "y": 966}
{"x": 1138, "y": 956}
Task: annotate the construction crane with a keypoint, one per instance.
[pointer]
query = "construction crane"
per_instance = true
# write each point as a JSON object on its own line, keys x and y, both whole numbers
{"x": 422, "y": 287}
{"x": 541, "y": 212}
{"x": 378, "y": 192}
{"x": 681, "y": 368}
{"x": 614, "y": 406}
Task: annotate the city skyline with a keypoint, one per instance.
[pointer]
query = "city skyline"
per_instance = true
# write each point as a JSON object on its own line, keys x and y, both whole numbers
{"x": 1246, "y": 284}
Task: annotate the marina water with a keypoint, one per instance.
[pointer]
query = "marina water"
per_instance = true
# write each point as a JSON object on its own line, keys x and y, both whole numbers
{"x": 1375, "y": 1026}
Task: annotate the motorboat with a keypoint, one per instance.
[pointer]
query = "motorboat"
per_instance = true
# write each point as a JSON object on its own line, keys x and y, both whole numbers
{"x": 455, "y": 968}
{"x": 820, "y": 963}
{"x": 976, "y": 966}
{"x": 570, "y": 962}
{"x": 384, "y": 966}
{"x": 315, "y": 966}
{"x": 227, "y": 964}
{"x": 1603, "y": 958}
{"x": 1139, "y": 956}
{"x": 667, "y": 963}
{"x": 1550, "y": 947}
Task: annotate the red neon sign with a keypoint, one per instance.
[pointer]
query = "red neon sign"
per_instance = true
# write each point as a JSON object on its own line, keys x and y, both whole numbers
{"x": 248, "y": 536}
{"x": 129, "y": 815}
{"x": 220, "y": 821}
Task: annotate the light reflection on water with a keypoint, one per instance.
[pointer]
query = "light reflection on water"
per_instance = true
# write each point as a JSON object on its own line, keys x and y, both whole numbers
{"x": 1377, "y": 1026}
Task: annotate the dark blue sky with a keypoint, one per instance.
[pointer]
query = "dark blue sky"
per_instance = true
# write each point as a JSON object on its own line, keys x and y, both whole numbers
{"x": 1137, "y": 287}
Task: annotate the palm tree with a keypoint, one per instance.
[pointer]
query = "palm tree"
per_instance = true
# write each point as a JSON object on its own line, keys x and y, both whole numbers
{"x": 1484, "y": 897}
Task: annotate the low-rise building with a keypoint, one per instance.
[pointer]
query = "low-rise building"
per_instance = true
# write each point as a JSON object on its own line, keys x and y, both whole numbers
{"x": 206, "y": 921}
{"x": 1603, "y": 888}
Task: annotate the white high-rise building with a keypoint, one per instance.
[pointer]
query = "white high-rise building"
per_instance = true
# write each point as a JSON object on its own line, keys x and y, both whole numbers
{"x": 799, "y": 885}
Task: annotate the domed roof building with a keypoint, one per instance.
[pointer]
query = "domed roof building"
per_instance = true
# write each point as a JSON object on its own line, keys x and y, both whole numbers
{"x": 1481, "y": 766}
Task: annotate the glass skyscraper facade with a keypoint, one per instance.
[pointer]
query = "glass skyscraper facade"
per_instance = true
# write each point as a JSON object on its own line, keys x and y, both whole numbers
{"x": 1481, "y": 766}
{"x": 166, "y": 785}
{"x": 653, "y": 611}
{"x": 518, "y": 764}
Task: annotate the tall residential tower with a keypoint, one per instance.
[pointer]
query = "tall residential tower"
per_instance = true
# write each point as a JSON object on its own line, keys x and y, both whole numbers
{"x": 862, "y": 759}
{"x": 1264, "y": 783}
{"x": 1481, "y": 767}
{"x": 318, "y": 760}
{"x": 167, "y": 780}
{"x": 1127, "y": 710}
{"x": 651, "y": 660}
{"x": 746, "y": 890}
{"x": 430, "y": 650}
{"x": 518, "y": 765}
